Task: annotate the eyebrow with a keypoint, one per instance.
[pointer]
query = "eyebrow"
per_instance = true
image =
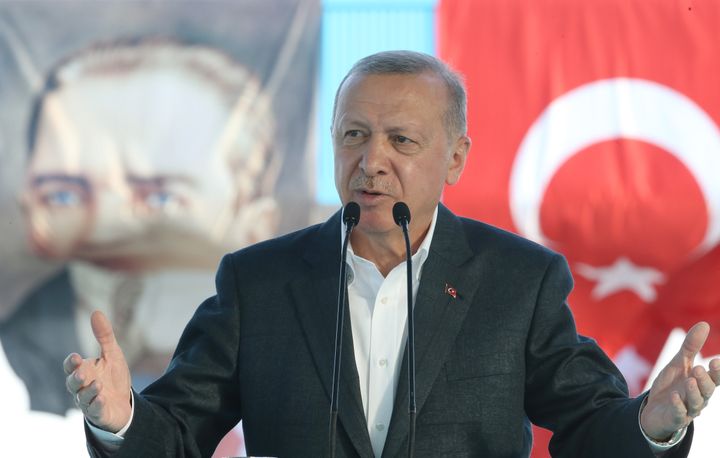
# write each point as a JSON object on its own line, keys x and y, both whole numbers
{"x": 61, "y": 178}
{"x": 393, "y": 129}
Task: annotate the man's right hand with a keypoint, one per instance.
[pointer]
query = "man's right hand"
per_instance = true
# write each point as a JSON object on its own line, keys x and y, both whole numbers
{"x": 101, "y": 386}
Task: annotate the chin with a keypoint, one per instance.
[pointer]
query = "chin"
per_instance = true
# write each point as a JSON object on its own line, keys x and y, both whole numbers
{"x": 376, "y": 226}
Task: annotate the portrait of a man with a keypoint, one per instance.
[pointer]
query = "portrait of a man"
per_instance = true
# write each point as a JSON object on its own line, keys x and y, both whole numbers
{"x": 148, "y": 161}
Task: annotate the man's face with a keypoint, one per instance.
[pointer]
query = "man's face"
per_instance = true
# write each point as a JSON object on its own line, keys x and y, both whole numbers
{"x": 391, "y": 144}
{"x": 128, "y": 172}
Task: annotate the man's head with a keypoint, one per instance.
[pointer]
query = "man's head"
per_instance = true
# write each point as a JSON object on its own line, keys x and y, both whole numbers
{"x": 399, "y": 134}
{"x": 148, "y": 154}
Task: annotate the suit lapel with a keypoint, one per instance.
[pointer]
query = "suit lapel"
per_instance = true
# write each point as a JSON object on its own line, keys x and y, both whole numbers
{"x": 315, "y": 295}
{"x": 438, "y": 319}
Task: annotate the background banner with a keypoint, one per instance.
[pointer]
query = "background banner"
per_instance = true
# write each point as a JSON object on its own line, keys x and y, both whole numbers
{"x": 139, "y": 142}
{"x": 595, "y": 132}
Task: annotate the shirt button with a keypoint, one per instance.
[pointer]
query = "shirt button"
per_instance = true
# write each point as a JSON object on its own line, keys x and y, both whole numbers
{"x": 383, "y": 362}
{"x": 383, "y": 300}
{"x": 379, "y": 426}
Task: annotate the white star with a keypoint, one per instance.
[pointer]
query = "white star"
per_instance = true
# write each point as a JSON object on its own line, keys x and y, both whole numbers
{"x": 622, "y": 275}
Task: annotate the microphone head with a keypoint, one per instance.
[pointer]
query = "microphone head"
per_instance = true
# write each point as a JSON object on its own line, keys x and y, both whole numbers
{"x": 351, "y": 213}
{"x": 401, "y": 213}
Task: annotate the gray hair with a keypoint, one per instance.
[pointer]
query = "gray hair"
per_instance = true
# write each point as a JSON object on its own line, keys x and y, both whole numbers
{"x": 413, "y": 63}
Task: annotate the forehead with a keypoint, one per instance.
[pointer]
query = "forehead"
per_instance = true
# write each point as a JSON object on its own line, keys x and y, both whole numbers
{"x": 423, "y": 94}
{"x": 142, "y": 119}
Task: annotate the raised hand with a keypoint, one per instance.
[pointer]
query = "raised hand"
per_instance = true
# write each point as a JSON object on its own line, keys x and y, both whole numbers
{"x": 680, "y": 391}
{"x": 101, "y": 386}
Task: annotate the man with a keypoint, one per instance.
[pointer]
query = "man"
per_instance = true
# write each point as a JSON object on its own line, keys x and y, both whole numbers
{"x": 148, "y": 160}
{"x": 496, "y": 344}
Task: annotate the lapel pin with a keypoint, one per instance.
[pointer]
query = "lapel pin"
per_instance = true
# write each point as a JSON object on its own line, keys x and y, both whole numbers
{"x": 450, "y": 290}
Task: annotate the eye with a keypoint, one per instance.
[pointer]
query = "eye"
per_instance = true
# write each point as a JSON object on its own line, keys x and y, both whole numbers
{"x": 158, "y": 200}
{"x": 403, "y": 141}
{"x": 60, "y": 191}
{"x": 62, "y": 198}
{"x": 353, "y": 136}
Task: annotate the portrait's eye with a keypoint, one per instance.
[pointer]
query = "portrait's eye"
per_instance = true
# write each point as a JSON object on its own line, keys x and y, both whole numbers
{"x": 62, "y": 198}
{"x": 152, "y": 200}
{"x": 159, "y": 199}
{"x": 402, "y": 139}
{"x": 60, "y": 192}
{"x": 155, "y": 195}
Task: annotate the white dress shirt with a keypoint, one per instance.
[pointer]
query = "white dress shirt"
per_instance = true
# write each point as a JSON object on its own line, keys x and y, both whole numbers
{"x": 378, "y": 314}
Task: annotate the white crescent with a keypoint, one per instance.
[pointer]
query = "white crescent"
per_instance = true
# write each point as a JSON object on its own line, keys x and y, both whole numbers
{"x": 608, "y": 109}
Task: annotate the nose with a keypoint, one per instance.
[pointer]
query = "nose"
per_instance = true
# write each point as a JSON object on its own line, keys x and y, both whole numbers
{"x": 113, "y": 216}
{"x": 375, "y": 160}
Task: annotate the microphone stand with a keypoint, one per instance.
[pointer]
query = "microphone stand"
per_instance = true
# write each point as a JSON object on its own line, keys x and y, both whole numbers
{"x": 351, "y": 216}
{"x": 401, "y": 214}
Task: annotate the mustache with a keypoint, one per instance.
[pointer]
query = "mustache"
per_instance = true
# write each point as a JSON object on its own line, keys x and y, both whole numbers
{"x": 373, "y": 184}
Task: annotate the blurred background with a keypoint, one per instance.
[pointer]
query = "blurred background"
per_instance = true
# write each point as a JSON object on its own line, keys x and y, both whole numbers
{"x": 141, "y": 140}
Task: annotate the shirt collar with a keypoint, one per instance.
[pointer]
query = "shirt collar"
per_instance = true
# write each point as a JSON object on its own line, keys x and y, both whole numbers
{"x": 418, "y": 258}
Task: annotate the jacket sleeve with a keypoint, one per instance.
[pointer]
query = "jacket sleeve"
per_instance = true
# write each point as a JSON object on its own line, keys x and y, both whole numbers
{"x": 188, "y": 410}
{"x": 572, "y": 387}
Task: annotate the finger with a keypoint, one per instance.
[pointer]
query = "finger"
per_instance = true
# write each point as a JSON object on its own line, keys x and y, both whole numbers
{"x": 103, "y": 332}
{"x": 86, "y": 395}
{"x": 715, "y": 371}
{"x": 693, "y": 343}
{"x": 71, "y": 363}
{"x": 693, "y": 399}
{"x": 74, "y": 382}
{"x": 705, "y": 384}
{"x": 95, "y": 409}
{"x": 680, "y": 412}
{"x": 84, "y": 375}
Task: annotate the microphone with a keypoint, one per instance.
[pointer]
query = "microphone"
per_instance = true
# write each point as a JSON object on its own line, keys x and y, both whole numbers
{"x": 351, "y": 217}
{"x": 401, "y": 215}
{"x": 351, "y": 214}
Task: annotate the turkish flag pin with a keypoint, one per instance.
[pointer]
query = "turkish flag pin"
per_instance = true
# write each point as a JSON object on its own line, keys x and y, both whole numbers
{"x": 450, "y": 290}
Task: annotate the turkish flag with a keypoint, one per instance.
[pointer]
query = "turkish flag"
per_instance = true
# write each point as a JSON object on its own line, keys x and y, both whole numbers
{"x": 595, "y": 132}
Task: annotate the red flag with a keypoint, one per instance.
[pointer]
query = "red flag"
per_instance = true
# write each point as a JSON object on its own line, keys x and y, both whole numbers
{"x": 595, "y": 131}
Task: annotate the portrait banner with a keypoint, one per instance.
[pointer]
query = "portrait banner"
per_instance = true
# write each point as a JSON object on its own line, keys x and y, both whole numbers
{"x": 596, "y": 132}
{"x": 139, "y": 142}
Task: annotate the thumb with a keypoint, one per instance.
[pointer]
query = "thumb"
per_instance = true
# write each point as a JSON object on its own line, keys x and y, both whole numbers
{"x": 103, "y": 333}
{"x": 693, "y": 343}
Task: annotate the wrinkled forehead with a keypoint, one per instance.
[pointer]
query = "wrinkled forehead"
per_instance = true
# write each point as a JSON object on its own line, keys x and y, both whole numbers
{"x": 146, "y": 120}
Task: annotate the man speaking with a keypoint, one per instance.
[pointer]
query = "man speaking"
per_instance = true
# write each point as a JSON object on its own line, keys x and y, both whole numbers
{"x": 496, "y": 343}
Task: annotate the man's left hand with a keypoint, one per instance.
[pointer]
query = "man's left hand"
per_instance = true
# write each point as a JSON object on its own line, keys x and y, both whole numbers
{"x": 680, "y": 391}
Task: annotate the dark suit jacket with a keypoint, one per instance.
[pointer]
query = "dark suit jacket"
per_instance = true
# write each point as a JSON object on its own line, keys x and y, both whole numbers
{"x": 500, "y": 354}
{"x": 37, "y": 337}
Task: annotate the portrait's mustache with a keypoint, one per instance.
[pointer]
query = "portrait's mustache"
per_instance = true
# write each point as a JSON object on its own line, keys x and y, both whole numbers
{"x": 366, "y": 183}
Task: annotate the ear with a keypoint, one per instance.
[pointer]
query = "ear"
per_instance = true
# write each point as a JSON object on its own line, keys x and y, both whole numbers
{"x": 458, "y": 155}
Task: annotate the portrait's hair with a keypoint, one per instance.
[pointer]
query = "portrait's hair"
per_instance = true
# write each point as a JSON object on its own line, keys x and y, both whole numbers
{"x": 250, "y": 129}
{"x": 413, "y": 63}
